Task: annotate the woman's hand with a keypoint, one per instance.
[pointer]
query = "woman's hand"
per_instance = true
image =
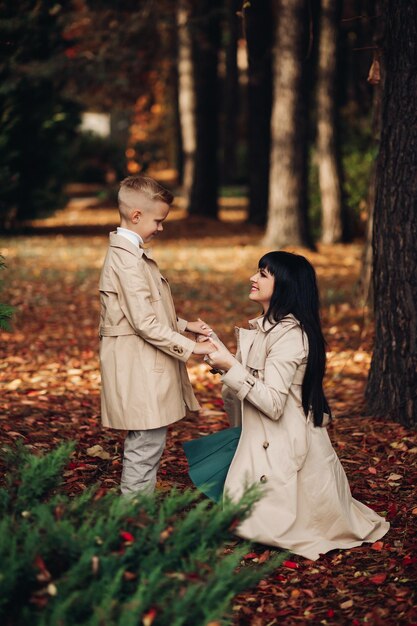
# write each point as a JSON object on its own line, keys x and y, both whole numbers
{"x": 199, "y": 328}
{"x": 221, "y": 359}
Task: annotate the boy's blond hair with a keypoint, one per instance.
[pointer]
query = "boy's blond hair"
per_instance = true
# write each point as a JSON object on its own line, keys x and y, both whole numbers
{"x": 145, "y": 185}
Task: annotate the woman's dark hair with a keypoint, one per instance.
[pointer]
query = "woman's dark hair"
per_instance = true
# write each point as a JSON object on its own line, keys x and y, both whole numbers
{"x": 296, "y": 292}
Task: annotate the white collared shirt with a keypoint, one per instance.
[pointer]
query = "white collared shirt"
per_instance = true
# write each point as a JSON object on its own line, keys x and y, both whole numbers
{"x": 129, "y": 234}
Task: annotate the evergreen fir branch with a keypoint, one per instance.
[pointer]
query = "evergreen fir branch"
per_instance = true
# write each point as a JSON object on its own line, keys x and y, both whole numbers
{"x": 6, "y": 314}
{"x": 41, "y": 474}
{"x": 108, "y": 562}
{"x": 6, "y": 311}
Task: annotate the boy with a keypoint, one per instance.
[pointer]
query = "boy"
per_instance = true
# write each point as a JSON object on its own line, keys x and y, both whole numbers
{"x": 145, "y": 384}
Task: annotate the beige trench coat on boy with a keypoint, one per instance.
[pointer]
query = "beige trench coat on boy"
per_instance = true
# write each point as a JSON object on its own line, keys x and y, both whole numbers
{"x": 145, "y": 383}
{"x": 307, "y": 506}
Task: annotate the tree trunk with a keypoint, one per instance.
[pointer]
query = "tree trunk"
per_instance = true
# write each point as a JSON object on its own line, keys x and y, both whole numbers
{"x": 186, "y": 98}
{"x": 330, "y": 182}
{"x": 392, "y": 384}
{"x": 287, "y": 215}
{"x": 206, "y": 42}
{"x": 375, "y": 77}
{"x": 258, "y": 28}
{"x": 231, "y": 94}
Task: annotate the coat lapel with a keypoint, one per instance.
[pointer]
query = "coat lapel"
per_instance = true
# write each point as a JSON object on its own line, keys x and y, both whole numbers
{"x": 246, "y": 338}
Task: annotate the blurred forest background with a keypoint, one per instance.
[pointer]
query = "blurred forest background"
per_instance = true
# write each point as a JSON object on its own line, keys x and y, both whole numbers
{"x": 208, "y": 96}
{"x": 282, "y": 104}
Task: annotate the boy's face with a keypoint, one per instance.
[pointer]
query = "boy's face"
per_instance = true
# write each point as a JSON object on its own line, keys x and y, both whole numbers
{"x": 148, "y": 222}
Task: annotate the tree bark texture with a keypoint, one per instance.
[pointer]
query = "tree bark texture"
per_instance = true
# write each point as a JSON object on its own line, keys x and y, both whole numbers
{"x": 287, "y": 214}
{"x": 186, "y": 98}
{"x": 258, "y": 20}
{"x": 375, "y": 77}
{"x": 330, "y": 179}
{"x": 392, "y": 384}
{"x": 206, "y": 42}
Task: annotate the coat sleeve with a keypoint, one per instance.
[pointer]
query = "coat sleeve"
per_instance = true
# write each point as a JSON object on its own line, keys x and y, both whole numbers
{"x": 136, "y": 303}
{"x": 282, "y": 360}
{"x": 182, "y": 324}
{"x": 232, "y": 406}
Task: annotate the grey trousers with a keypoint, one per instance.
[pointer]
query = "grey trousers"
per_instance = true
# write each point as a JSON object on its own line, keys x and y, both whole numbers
{"x": 142, "y": 452}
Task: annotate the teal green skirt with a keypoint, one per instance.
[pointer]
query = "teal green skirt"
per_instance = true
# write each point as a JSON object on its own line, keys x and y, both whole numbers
{"x": 209, "y": 459}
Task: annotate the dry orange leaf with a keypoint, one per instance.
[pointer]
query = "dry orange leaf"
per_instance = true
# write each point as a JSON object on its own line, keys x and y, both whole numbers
{"x": 346, "y": 605}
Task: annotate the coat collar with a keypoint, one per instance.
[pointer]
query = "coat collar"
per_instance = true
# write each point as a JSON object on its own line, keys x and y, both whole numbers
{"x": 246, "y": 337}
{"x": 118, "y": 241}
{"x": 258, "y": 322}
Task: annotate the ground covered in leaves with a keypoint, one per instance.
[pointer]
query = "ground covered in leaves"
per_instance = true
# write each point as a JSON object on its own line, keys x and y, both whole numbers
{"x": 50, "y": 392}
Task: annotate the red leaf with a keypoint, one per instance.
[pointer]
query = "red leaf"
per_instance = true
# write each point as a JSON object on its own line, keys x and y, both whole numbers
{"x": 264, "y": 556}
{"x": 378, "y": 545}
{"x": 371, "y": 470}
{"x": 392, "y": 510}
{"x": 281, "y": 578}
{"x": 250, "y": 555}
{"x": 330, "y": 613}
{"x": 378, "y": 579}
{"x": 149, "y": 617}
{"x": 126, "y": 536}
{"x": 290, "y": 564}
{"x": 39, "y": 562}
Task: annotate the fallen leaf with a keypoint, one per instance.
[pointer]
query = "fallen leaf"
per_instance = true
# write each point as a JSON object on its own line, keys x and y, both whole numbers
{"x": 346, "y": 605}
{"x": 149, "y": 617}
{"x": 394, "y": 477}
{"x": 264, "y": 556}
{"x": 378, "y": 579}
{"x": 52, "y": 589}
{"x": 98, "y": 451}
{"x": 13, "y": 385}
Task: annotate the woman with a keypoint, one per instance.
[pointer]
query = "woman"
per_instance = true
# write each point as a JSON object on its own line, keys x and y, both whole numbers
{"x": 273, "y": 390}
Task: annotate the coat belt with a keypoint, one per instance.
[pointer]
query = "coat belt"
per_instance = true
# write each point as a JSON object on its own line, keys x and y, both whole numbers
{"x": 116, "y": 331}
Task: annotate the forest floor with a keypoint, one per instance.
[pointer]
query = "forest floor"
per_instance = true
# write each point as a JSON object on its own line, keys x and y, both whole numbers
{"x": 50, "y": 392}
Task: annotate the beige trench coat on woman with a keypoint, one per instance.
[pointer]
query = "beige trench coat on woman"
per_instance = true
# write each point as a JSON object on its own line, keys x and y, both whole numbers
{"x": 145, "y": 383}
{"x": 307, "y": 506}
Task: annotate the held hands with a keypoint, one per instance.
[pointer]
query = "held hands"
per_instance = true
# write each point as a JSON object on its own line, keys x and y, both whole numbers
{"x": 202, "y": 330}
{"x": 219, "y": 358}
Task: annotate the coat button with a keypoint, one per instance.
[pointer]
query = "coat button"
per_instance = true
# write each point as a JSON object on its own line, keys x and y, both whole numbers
{"x": 263, "y": 479}
{"x": 178, "y": 349}
{"x": 266, "y": 444}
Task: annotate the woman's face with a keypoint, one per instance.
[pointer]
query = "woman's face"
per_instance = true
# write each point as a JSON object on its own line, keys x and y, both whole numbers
{"x": 262, "y": 288}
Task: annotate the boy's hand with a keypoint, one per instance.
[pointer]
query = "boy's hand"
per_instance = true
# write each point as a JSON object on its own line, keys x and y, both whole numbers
{"x": 199, "y": 328}
{"x": 204, "y": 346}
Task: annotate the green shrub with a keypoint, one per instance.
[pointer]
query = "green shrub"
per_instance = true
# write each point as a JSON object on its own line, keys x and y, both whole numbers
{"x": 6, "y": 311}
{"x": 91, "y": 561}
